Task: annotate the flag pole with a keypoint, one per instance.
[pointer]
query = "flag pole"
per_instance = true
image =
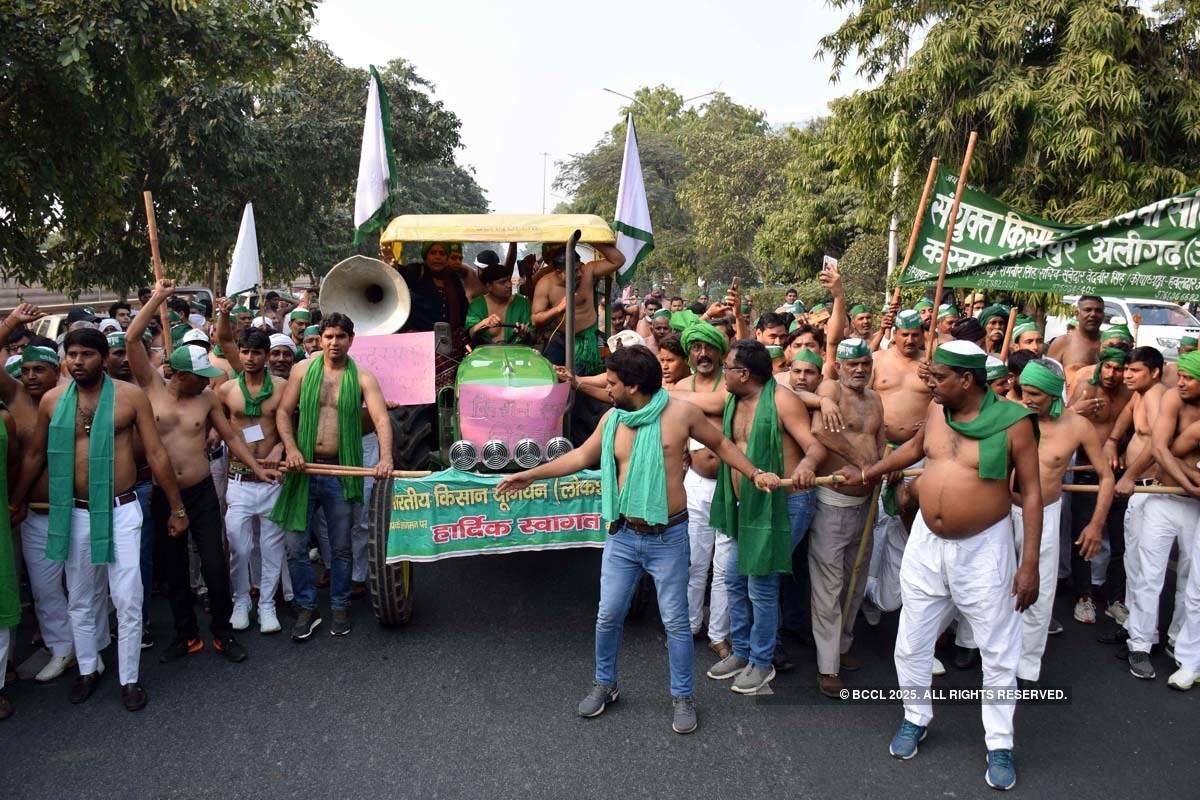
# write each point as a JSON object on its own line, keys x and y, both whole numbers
{"x": 156, "y": 261}
{"x": 916, "y": 229}
{"x": 941, "y": 281}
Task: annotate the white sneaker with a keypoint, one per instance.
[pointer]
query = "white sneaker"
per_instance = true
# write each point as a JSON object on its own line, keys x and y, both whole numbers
{"x": 55, "y": 667}
{"x": 939, "y": 669}
{"x": 267, "y": 621}
{"x": 314, "y": 554}
{"x": 1118, "y": 611}
{"x": 1085, "y": 611}
{"x": 239, "y": 620}
{"x": 871, "y": 613}
{"x": 1182, "y": 679}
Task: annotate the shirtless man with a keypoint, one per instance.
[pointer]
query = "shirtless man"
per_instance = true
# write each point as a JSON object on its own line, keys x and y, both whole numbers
{"x": 862, "y": 322}
{"x": 184, "y": 411}
{"x": 960, "y": 554}
{"x": 1080, "y": 347}
{"x": 550, "y": 305}
{"x": 673, "y": 360}
{"x": 1100, "y": 399}
{"x": 282, "y": 356}
{"x": 1063, "y": 433}
{"x": 646, "y": 475}
{"x": 837, "y": 528}
{"x": 1186, "y": 447}
{"x": 1028, "y": 336}
{"x": 994, "y": 320}
{"x": 81, "y": 411}
{"x": 1166, "y": 520}
{"x": 330, "y": 432}
{"x": 1143, "y": 370}
{"x": 251, "y": 401}
{"x": 39, "y": 374}
{"x": 806, "y": 369}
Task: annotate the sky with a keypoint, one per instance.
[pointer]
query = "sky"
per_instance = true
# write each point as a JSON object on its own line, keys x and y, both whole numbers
{"x": 527, "y": 77}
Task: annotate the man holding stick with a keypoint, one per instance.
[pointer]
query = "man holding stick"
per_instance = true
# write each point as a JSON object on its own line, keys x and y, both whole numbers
{"x": 640, "y": 446}
{"x": 960, "y": 554}
{"x": 330, "y": 390}
{"x": 83, "y": 439}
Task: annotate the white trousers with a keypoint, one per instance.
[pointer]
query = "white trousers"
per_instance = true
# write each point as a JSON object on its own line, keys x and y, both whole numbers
{"x": 1187, "y": 642}
{"x": 124, "y": 579}
{"x": 249, "y": 501}
{"x": 702, "y": 539}
{"x": 1035, "y": 621}
{"x": 718, "y": 601}
{"x": 359, "y": 533}
{"x": 1133, "y": 561}
{"x": 975, "y": 575}
{"x": 1165, "y": 520}
{"x": 46, "y": 584}
{"x": 887, "y": 552}
{"x": 5, "y": 637}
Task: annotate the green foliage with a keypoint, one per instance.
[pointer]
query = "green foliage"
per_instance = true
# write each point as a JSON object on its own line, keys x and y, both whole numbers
{"x": 208, "y": 105}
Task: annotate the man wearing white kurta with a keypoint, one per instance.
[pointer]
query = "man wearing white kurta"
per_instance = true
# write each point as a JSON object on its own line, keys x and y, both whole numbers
{"x": 961, "y": 554}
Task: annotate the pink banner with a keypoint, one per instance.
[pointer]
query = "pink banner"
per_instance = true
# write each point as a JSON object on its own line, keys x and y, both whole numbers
{"x": 511, "y": 414}
{"x": 403, "y": 363}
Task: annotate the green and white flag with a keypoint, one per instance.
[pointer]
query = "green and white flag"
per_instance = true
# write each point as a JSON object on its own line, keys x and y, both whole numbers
{"x": 376, "y": 165}
{"x": 635, "y": 237}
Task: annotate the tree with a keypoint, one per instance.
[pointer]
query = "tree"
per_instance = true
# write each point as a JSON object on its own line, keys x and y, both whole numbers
{"x": 1084, "y": 108}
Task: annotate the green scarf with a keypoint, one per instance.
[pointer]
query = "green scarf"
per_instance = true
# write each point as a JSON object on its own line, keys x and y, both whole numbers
{"x": 587, "y": 352}
{"x": 254, "y": 404}
{"x": 10, "y": 597}
{"x": 990, "y": 429}
{"x": 645, "y": 494}
{"x": 291, "y": 509}
{"x": 1107, "y": 354}
{"x": 759, "y": 521}
{"x": 1047, "y": 382}
{"x": 517, "y": 313}
{"x": 60, "y": 465}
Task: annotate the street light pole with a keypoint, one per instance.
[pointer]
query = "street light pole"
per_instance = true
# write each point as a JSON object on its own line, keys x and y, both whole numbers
{"x": 545, "y": 157}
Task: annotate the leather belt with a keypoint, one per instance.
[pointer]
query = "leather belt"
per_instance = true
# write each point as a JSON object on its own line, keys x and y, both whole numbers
{"x": 646, "y": 529}
{"x": 244, "y": 477}
{"x": 119, "y": 500}
{"x": 1146, "y": 482}
{"x": 324, "y": 460}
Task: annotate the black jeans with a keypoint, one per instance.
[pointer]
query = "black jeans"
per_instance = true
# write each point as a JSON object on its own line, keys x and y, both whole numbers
{"x": 171, "y": 559}
{"x": 1082, "y": 508}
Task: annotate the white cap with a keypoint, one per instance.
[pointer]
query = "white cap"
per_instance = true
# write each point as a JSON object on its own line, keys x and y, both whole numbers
{"x": 962, "y": 348}
{"x": 109, "y": 324}
{"x": 262, "y": 322}
{"x": 992, "y": 362}
{"x": 282, "y": 340}
{"x": 624, "y": 338}
{"x": 195, "y": 335}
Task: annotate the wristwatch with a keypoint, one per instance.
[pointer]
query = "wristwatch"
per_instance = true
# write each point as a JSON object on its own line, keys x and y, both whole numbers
{"x": 179, "y": 513}
{"x": 756, "y": 473}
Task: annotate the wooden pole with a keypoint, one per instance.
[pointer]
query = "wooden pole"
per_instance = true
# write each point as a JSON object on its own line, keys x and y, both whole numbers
{"x": 941, "y": 281}
{"x": 156, "y": 261}
{"x": 872, "y": 512}
{"x": 916, "y": 230}
{"x": 1008, "y": 329}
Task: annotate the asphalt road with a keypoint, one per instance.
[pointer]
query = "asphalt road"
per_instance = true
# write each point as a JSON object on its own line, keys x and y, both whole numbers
{"x": 476, "y": 698}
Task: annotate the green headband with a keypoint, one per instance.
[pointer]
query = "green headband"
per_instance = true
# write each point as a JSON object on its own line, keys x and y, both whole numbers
{"x": 1107, "y": 354}
{"x": 43, "y": 354}
{"x": 1117, "y": 332}
{"x": 908, "y": 319}
{"x": 239, "y": 310}
{"x": 662, "y": 313}
{"x": 1023, "y": 328}
{"x": 859, "y": 309}
{"x": 849, "y": 349}
{"x": 997, "y": 372}
{"x": 793, "y": 325}
{"x": 804, "y": 354}
{"x": 960, "y": 360}
{"x": 301, "y": 314}
{"x": 13, "y": 366}
{"x": 173, "y": 316}
{"x": 680, "y": 320}
{"x": 312, "y": 330}
{"x": 995, "y": 310}
{"x": 701, "y": 332}
{"x": 1044, "y": 380}
{"x": 774, "y": 351}
{"x": 922, "y": 304}
{"x": 819, "y": 308}
{"x": 947, "y": 311}
{"x": 116, "y": 341}
{"x": 1189, "y": 364}
{"x": 1189, "y": 341}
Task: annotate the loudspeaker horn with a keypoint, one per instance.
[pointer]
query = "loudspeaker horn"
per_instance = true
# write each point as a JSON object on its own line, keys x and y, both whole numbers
{"x": 368, "y": 291}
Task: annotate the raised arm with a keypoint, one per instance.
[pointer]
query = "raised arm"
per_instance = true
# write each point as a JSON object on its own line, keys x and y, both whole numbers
{"x": 23, "y": 315}
{"x": 613, "y": 260}
{"x": 135, "y": 350}
{"x": 832, "y": 280}
{"x": 224, "y": 334}
{"x": 284, "y": 412}
{"x": 377, "y": 408}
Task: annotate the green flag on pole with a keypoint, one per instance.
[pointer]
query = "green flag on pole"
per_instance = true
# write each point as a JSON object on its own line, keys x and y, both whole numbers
{"x": 635, "y": 236}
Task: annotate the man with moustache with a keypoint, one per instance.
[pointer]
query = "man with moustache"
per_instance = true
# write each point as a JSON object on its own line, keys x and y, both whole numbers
{"x": 282, "y": 356}
{"x": 994, "y": 320}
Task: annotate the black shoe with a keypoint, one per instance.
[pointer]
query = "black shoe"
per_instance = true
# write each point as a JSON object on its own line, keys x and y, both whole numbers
{"x": 802, "y": 636}
{"x": 780, "y": 660}
{"x": 147, "y": 638}
{"x": 181, "y": 648}
{"x": 1117, "y": 636}
{"x": 229, "y": 648}
{"x": 1022, "y": 683}
{"x": 83, "y": 688}
{"x": 134, "y": 696}
{"x": 965, "y": 657}
{"x": 341, "y": 623}
{"x": 307, "y": 621}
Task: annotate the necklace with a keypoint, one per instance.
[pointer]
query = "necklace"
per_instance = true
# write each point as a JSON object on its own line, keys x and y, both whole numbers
{"x": 86, "y": 417}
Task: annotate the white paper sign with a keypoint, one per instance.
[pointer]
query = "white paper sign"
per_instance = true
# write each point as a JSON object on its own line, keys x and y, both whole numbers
{"x": 253, "y": 433}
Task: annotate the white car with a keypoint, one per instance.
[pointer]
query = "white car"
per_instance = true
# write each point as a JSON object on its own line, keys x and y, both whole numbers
{"x": 1161, "y": 325}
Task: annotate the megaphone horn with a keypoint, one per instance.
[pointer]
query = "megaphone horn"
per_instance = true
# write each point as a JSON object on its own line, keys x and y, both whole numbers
{"x": 368, "y": 291}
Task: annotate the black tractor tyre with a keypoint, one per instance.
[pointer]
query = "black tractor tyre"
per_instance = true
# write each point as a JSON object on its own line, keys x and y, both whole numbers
{"x": 391, "y": 584}
{"x": 414, "y": 436}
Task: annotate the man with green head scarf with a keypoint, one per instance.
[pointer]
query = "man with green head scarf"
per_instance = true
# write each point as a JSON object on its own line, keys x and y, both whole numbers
{"x": 1027, "y": 335}
{"x": 1062, "y": 433}
{"x": 298, "y": 320}
{"x": 960, "y": 552}
{"x": 841, "y": 514}
{"x": 994, "y": 320}
{"x": 1187, "y": 344}
{"x": 639, "y": 446}
{"x": 861, "y": 320}
{"x": 550, "y": 305}
{"x": 998, "y": 377}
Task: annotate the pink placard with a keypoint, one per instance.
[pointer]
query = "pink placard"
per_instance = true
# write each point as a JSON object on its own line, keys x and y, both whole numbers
{"x": 511, "y": 414}
{"x": 403, "y": 363}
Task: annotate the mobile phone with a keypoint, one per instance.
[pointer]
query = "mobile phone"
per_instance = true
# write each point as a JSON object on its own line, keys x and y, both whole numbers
{"x": 828, "y": 264}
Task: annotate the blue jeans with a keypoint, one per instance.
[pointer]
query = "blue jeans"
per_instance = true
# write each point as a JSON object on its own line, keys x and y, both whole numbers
{"x": 665, "y": 557}
{"x": 142, "y": 490}
{"x": 753, "y": 613}
{"x": 794, "y": 589}
{"x": 326, "y": 493}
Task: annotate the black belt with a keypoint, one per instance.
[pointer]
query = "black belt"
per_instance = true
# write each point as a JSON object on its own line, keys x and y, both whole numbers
{"x": 324, "y": 460}
{"x": 646, "y": 529}
{"x": 1146, "y": 482}
{"x": 119, "y": 500}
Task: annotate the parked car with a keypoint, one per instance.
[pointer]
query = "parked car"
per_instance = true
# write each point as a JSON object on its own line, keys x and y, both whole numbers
{"x": 1155, "y": 323}
{"x": 51, "y": 326}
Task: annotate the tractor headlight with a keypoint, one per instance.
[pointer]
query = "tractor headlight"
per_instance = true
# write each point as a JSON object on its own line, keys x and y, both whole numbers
{"x": 463, "y": 455}
{"x": 558, "y": 446}
{"x": 495, "y": 454}
{"x": 527, "y": 454}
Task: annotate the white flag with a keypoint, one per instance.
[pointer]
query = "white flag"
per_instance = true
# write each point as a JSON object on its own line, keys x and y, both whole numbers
{"x": 244, "y": 272}
{"x": 374, "y": 175}
{"x": 635, "y": 237}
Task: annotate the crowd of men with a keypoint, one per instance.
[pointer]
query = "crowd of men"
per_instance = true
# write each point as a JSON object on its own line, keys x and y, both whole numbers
{"x": 213, "y": 440}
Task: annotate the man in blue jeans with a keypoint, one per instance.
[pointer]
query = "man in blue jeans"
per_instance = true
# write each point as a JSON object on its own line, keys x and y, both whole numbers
{"x": 640, "y": 446}
{"x": 330, "y": 390}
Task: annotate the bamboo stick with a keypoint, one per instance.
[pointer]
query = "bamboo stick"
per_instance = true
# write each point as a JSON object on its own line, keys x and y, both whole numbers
{"x": 156, "y": 261}
{"x": 1008, "y": 329}
{"x": 916, "y": 230}
{"x": 941, "y": 281}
